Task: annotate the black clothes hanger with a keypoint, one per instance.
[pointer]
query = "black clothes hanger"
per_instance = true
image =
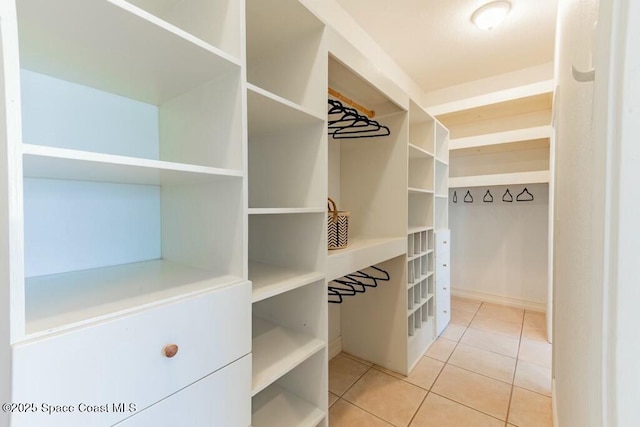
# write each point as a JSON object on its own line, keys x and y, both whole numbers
{"x": 488, "y": 197}
{"x": 507, "y": 197}
{"x": 455, "y": 197}
{"x": 468, "y": 198}
{"x": 334, "y": 296}
{"x": 347, "y": 123}
{"x": 355, "y": 283}
{"x": 524, "y": 196}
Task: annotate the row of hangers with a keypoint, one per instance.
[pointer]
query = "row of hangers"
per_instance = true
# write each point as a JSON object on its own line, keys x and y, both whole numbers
{"x": 347, "y": 123}
{"x": 355, "y": 283}
{"x": 523, "y": 196}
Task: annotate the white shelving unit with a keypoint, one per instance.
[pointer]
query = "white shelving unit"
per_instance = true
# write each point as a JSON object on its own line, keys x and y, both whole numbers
{"x": 287, "y": 167}
{"x": 428, "y": 152}
{"x": 501, "y": 143}
{"x": 125, "y": 201}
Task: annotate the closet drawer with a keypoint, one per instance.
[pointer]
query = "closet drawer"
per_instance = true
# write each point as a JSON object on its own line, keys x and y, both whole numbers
{"x": 442, "y": 238}
{"x": 221, "y": 399}
{"x": 443, "y": 273}
{"x": 126, "y": 359}
{"x": 443, "y": 310}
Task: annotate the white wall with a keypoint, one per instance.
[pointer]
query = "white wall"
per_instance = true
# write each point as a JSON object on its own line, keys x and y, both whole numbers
{"x": 624, "y": 344}
{"x": 499, "y": 249}
{"x": 578, "y": 225}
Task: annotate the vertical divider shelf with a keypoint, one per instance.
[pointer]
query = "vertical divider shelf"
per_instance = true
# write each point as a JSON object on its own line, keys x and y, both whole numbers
{"x": 287, "y": 190}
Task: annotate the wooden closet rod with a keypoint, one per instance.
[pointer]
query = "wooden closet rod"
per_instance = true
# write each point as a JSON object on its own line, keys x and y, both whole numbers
{"x": 369, "y": 113}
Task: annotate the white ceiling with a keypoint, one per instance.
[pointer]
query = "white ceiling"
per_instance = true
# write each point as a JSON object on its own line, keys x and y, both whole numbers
{"x": 436, "y": 43}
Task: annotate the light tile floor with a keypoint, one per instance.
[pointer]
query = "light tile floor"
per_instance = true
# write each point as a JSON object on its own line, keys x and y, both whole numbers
{"x": 490, "y": 367}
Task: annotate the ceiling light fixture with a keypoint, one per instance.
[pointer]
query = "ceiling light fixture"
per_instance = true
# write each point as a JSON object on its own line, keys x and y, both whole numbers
{"x": 491, "y": 14}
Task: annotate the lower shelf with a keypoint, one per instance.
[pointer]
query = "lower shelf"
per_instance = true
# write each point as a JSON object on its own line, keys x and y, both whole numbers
{"x": 276, "y": 407}
{"x": 59, "y": 301}
{"x": 277, "y": 350}
{"x": 516, "y": 178}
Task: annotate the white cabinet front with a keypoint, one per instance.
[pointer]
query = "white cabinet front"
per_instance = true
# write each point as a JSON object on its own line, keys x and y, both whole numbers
{"x": 221, "y": 399}
{"x": 136, "y": 359}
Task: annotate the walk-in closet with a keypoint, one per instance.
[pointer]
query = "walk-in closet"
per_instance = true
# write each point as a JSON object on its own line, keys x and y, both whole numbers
{"x": 316, "y": 213}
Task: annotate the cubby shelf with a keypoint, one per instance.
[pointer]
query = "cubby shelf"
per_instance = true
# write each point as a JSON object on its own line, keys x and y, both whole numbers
{"x": 362, "y": 253}
{"x": 533, "y": 177}
{"x": 277, "y": 350}
{"x": 60, "y": 301}
{"x": 442, "y": 161}
{"x": 416, "y": 152}
{"x": 269, "y": 280}
{"x": 61, "y": 163}
{"x": 270, "y": 113}
{"x": 413, "y": 230}
{"x": 276, "y": 407}
{"x": 132, "y": 62}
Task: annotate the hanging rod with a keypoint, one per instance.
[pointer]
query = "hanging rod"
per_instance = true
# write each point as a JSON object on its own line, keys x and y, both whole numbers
{"x": 369, "y": 113}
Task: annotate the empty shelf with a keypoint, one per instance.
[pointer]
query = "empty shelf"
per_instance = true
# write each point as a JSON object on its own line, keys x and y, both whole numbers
{"x": 269, "y": 280}
{"x": 416, "y": 152}
{"x": 277, "y": 350}
{"x": 59, "y": 301}
{"x": 61, "y": 163}
{"x": 276, "y": 407}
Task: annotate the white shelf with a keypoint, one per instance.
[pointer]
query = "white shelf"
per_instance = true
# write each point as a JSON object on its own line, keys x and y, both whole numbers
{"x": 523, "y": 91}
{"x": 59, "y": 301}
{"x": 501, "y": 138}
{"x": 270, "y": 113}
{"x": 441, "y": 196}
{"x": 277, "y": 350}
{"x": 413, "y": 230}
{"x": 443, "y": 162}
{"x": 61, "y": 163}
{"x": 276, "y": 407}
{"x": 281, "y": 211}
{"x": 362, "y": 253}
{"x": 420, "y": 191}
{"x": 534, "y": 177}
{"x": 269, "y": 280}
{"x": 133, "y": 61}
{"x": 416, "y": 152}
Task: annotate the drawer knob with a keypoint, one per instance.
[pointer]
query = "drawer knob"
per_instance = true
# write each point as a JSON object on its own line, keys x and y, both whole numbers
{"x": 444, "y": 265}
{"x": 170, "y": 350}
{"x": 445, "y": 311}
{"x": 444, "y": 242}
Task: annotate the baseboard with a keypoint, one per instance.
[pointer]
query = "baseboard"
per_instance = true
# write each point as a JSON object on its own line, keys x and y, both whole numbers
{"x": 554, "y": 405}
{"x": 335, "y": 347}
{"x": 498, "y": 299}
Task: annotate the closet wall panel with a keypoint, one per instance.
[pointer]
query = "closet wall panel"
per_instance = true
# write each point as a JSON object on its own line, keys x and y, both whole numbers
{"x": 507, "y": 256}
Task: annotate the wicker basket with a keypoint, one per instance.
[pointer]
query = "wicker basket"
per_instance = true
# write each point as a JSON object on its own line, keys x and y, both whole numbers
{"x": 338, "y": 227}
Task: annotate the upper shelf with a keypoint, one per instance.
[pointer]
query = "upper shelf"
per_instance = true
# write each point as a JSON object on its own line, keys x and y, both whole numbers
{"x": 116, "y": 47}
{"x": 355, "y": 87}
{"x": 515, "y": 114}
{"x": 499, "y": 138}
{"x": 524, "y": 91}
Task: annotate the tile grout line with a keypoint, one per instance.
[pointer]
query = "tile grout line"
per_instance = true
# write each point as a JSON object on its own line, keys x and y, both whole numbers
{"x": 515, "y": 371}
{"x": 467, "y": 406}
{"x": 364, "y": 410}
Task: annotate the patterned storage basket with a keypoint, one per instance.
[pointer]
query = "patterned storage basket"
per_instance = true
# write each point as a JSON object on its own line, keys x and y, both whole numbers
{"x": 338, "y": 225}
